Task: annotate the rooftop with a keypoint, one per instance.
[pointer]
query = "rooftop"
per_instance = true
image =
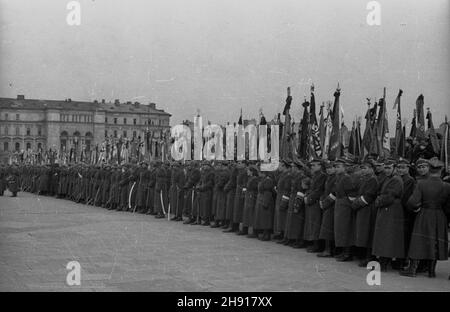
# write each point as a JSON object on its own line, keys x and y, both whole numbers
{"x": 68, "y": 104}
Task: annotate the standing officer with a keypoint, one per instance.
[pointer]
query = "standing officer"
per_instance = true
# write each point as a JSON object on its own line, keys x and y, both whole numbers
{"x": 429, "y": 239}
{"x": 327, "y": 205}
{"x": 344, "y": 217}
{"x": 364, "y": 207}
{"x": 388, "y": 240}
{"x": 313, "y": 213}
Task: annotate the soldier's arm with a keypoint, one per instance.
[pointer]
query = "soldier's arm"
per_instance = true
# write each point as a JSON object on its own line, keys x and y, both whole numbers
{"x": 392, "y": 191}
{"x": 415, "y": 201}
{"x": 316, "y": 190}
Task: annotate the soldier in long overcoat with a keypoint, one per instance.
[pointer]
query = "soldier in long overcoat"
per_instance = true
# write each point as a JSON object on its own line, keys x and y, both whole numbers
{"x": 230, "y": 191}
{"x": 388, "y": 239}
{"x": 265, "y": 206}
{"x": 429, "y": 240}
{"x": 283, "y": 190}
{"x": 251, "y": 193}
{"x": 364, "y": 207}
{"x": 326, "y": 203}
{"x": 239, "y": 199}
{"x": 344, "y": 216}
{"x": 313, "y": 213}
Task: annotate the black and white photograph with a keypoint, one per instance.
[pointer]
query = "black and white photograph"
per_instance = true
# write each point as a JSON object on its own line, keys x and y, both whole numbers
{"x": 203, "y": 148}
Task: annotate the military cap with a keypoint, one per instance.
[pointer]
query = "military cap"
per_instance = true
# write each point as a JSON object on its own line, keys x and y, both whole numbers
{"x": 390, "y": 161}
{"x": 254, "y": 169}
{"x": 403, "y": 161}
{"x": 422, "y": 161}
{"x": 341, "y": 160}
{"x": 378, "y": 161}
{"x": 328, "y": 164}
{"x": 435, "y": 163}
{"x": 315, "y": 160}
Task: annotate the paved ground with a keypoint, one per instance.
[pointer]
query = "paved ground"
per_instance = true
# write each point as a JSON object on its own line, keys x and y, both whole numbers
{"x": 120, "y": 251}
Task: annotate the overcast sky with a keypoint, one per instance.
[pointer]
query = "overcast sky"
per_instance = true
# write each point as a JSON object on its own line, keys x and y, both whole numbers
{"x": 220, "y": 55}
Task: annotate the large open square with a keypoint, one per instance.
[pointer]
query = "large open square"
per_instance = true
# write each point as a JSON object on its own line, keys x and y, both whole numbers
{"x": 121, "y": 251}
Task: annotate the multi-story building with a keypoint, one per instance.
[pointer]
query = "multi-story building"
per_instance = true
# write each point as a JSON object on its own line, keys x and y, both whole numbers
{"x": 29, "y": 124}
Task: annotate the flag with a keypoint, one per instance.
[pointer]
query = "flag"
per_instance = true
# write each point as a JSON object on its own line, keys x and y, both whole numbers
{"x": 352, "y": 141}
{"x": 303, "y": 135}
{"x": 382, "y": 130}
{"x": 328, "y": 130}
{"x": 413, "y": 131}
{"x": 359, "y": 150}
{"x": 432, "y": 134}
{"x": 286, "y": 133}
{"x": 399, "y": 142}
{"x": 335, "y": 139}
{"x": 420, "y": 132}
{"x": 315, "y": 149}
{"x": 368, "y": 135}
{"x": 322, "y": 126}
{"x": 445, "y": 148}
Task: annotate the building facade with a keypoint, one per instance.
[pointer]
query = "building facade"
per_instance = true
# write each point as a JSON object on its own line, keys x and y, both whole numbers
{"x": 29, "y": 124}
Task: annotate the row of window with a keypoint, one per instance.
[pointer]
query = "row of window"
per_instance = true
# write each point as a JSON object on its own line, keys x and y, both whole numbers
{"x": 149, "y": 122}
{"x": 115, "y": 120}
{"x": 17, "y": 146}
{"x": 124, "y": 134}
{"x": 75, "y": 118}
{"x": 7, "y": 116}
{"x": 18, "y": 132}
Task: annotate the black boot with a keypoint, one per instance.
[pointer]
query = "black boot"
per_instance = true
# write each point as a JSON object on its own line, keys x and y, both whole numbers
{"x": 299, "y": 243}
{"x": 244, "y": 231}
{"x": 278, "y": 236}
{"x": 384, "y": 264}
{"x": 254, "y": 234}
{"x": 346, "y": 255}
{"x": 216, "y": 224}
{"x": 266, "y": 236}
{"x": 327, "y": 253}
{"x": 234, "y": 228}
{"x": 432, "y": 268}
{"x": 315, "y": 247}
{"x": 411, "y": 271}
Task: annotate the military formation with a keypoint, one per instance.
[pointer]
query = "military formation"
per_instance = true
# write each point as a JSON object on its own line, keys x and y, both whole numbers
{"x": 386, "y": 210}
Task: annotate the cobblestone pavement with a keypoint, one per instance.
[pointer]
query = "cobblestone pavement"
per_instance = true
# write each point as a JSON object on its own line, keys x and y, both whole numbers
{"x": 121, "y": 251}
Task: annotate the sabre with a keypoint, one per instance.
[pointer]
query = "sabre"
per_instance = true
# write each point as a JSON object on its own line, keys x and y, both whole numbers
{"x": 129, "y": 196}
{"x": 168, "y": 213}
{"x": 95, "y": 198}
{"x": 162, "y": 202}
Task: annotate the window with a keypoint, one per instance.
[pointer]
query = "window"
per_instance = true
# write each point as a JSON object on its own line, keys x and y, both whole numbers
{"x": 73, "y": 118}
{"x": 124, "y": 121}
{"x": 5, "y": 146}
{"x": 17, "y": 146}
{"x": 17, "y": 131}
{"x": 115, "y": 121}
{"x": 134, "y": 134}
{"x": 28, "y": 131}
{"x": 106, "y": 133}
{"x": 106, "y": 119}
{"x": 6, "y": 116}
{"x": 115, "y": 133}
{"x": 28, "y": 146}
{"x": 17, "y": 117}
{"x": 134, "y": 121}
{"x": 39, "y": 146}
{"x": 6, "y": 130}
{"x": 124, "y": 133}
{"x": 39, "y": 130}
